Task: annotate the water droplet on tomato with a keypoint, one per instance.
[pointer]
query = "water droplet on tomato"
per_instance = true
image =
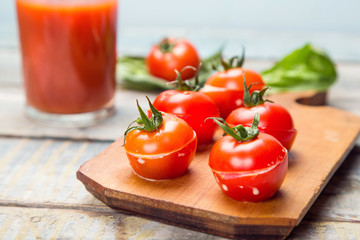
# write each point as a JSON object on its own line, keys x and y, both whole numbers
{"x": 238, "y": 102}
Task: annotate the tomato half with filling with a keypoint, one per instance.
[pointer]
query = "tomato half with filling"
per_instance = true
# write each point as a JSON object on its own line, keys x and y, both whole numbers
{"x": 275, "y": 120}
{"x": 161, "y": 147}
{"x": 252, "y": 170}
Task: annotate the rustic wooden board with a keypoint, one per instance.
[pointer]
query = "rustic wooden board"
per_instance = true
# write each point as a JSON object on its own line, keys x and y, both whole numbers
{"x": 325, "y": 137}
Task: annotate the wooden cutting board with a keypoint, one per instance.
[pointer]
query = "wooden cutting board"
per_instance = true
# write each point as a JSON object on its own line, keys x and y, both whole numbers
{"x": 325, "y": 137}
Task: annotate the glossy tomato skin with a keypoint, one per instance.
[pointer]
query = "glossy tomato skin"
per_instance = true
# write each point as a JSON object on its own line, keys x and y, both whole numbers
{"x": 156, "y": 155}
{"x": 227, "y": 88}
{"x": 249, "y": 171}
{"x": 162, "y": 64}
{"x": 194, "y": 108}
{"x": 274, "y": 120}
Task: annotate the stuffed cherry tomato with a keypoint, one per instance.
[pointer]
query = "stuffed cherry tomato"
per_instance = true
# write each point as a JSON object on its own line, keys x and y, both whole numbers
{"x": 275, "y": 119}
{"x": 248, "y": 165}
{"x": 161, "y": 147}
{"x": 226, "y": 87}
{"x": 194, "y": 107}
{"x": 171, "y": 54}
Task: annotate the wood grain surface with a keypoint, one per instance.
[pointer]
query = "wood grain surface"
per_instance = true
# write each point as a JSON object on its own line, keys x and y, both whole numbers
{"x": 325, "y": 137}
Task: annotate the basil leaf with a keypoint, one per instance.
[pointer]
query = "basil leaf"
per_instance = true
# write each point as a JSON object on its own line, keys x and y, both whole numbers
{"x": 306, "y": 68}
{"x": 131, "y": 73}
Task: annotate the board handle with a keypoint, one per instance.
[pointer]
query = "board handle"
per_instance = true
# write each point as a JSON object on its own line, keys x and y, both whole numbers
{"x": 313, "y": 99}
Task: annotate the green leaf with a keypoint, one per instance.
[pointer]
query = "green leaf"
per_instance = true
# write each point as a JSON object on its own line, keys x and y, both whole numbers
{"x": 131, "y": 73}
{"x": 306, "y": 68}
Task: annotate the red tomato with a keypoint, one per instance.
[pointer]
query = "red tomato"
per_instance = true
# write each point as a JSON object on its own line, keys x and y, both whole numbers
{"x": 227, "y": 89}
{"x": 274, "y": 120}
{"x": 250, "y": 170}
{"x": 171, "y": 54}
{"x": 155, "y": 154}
{"x": 194, "y": 108}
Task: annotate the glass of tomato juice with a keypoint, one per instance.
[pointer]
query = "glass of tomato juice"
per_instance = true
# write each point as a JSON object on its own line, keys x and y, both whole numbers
{"x": 68, "y": 57}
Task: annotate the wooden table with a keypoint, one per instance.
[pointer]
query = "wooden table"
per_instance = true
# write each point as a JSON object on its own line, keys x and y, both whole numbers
{"x": 40, "y": 196}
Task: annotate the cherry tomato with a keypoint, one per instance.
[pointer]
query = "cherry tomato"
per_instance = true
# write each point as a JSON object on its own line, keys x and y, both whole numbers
{"x": 164, "y": 152}
{"x": 194, "y": 108}
{"x": 251, "y": 170}
{"x": 227, "y": 90}
{"x": 275, "y": 120}
{"x": 171, "y": 54}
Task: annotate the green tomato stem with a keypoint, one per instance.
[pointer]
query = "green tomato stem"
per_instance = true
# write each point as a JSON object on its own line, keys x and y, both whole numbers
{"x": 144, "y": 123}
{"x": 233, "y": 62}
{"x": 186, "y": 85}
{"x": 166, "y": 46}
{"x": 239, "y": 132}
{"x": 256, "y": 98}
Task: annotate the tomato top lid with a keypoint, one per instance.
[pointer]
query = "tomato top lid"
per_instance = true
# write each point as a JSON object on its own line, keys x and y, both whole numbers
{"x": 173, "y": 135}
{"x": 260, "y": 154}
{"x": 160, "y": 132}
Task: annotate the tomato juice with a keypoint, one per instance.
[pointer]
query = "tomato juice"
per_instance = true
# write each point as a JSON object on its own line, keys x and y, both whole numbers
{"x": 68, "y": 54}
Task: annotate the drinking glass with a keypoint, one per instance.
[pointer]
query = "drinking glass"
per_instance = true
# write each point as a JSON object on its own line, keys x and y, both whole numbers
{"x": 68, "y": 59}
